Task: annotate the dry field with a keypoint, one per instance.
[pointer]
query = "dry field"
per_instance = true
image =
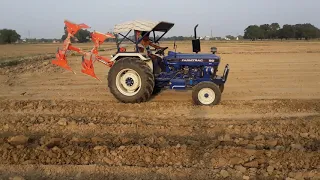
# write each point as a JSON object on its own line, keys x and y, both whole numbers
{"x": 58, "y": 125}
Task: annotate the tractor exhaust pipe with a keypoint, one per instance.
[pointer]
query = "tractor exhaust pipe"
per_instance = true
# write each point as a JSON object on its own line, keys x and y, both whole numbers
{"x": 195, "y": 31}
{"x": 196, "y": 42}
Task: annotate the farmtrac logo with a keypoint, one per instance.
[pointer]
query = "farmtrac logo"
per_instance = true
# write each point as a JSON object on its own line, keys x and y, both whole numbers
{"x": 196, "y": 60}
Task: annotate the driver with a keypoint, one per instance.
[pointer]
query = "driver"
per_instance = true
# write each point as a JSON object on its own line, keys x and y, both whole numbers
{"x": 146, "y": 43}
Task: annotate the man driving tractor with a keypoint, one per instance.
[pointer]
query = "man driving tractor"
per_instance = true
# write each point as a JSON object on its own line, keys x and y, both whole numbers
{"x": 144, "y": 47}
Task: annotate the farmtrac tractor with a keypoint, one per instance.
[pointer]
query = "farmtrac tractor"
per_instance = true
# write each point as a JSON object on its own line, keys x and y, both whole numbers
{"x": 132, "y": 77}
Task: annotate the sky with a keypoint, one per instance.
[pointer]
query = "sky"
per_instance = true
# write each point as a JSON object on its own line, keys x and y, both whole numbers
{"x": 44, "y": 18}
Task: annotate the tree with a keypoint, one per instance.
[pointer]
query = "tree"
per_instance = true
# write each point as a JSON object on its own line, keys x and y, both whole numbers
{"x": 299, "y": 31}
{"x": 43, "y": 40}
{"x": 240, "y": 37}
{"x": 274, "y": 30}
{"x": 9, "y": 36}
{"x": 81, "y": 36}
{"x": 253, "y": 32}
{"x": 32, "y": 40}
{"x": 287, "y": 32}
{"x": 230, "y": 37}
{"x": 265, "y": 31}
{"x": 306, "y": 31}
{"x": 216, "y": 38}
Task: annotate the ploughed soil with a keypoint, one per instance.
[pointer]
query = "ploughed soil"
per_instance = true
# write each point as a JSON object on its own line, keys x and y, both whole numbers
{"x": 58, "y": 125}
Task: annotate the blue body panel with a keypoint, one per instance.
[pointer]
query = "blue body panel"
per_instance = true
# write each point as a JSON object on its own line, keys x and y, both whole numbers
{"x": 192, "y": 60}
{"x": 201, "y": 67}
{"x": 174, "y": 55}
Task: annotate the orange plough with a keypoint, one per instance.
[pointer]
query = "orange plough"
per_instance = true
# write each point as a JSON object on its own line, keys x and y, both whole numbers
{"x": 88, "y": 58}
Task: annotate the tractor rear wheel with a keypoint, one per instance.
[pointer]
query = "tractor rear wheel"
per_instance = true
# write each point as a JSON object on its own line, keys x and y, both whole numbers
{"x": 156, "y": 91}
{"x": 206, "y": 93}
{"x": 130, "y": 80}
{"x": 221, "y": 87}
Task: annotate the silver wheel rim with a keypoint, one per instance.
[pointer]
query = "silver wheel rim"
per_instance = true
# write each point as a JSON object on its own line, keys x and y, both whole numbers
{"x": 206, "y": 96}
{"x": 128, "y": 82}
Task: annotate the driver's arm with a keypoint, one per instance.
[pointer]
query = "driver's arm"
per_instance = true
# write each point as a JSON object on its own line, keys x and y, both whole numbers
{"x": 155, "y": 46}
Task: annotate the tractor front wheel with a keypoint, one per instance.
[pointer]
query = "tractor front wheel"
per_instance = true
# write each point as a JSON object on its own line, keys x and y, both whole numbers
{"x": 206, "y": 93}
{"x": 130, "y": 80}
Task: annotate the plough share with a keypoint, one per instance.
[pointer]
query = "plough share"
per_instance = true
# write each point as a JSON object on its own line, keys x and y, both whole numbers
{"x": 88, "y": 58}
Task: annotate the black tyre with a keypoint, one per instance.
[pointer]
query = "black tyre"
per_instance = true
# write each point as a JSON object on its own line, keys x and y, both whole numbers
{"x": 221, "y": 87}
{"x": 206, "y": 93}
{"x": 130, "y": 80}
{"x": 156, "y": 91}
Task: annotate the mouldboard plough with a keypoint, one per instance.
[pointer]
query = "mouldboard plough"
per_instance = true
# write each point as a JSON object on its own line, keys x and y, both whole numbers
{"x": 88, "y": 58}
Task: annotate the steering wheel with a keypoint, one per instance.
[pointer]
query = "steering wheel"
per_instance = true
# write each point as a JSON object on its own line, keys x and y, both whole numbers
{"x": 161, "y": 51}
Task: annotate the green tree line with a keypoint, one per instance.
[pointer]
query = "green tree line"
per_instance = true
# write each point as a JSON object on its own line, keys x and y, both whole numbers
{"x": 8, "y": 36}
{"x": 82, "y": 36}
{"x": 274, "y": 31}
{"x": 252, "y": 32}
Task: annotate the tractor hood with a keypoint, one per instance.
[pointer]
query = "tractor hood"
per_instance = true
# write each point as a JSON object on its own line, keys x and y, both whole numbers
{"x": 193, "y": 57}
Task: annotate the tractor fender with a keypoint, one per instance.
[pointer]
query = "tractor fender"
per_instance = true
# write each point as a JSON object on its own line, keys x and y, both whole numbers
{"x": 138, "y": 55}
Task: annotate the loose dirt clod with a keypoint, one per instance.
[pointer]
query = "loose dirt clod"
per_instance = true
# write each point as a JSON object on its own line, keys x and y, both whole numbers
{"x": 17, "y": 178}
{"x": 18, "y": 140}
{"x": 224, "y": 173}
{"x": 297, "y": 146}
{"x": 53, "y": 142}
{"x": 252, "y": 164}
{"x": 270, "y": 169}
{"x": 240, "y": 168}
{"x": 62, "y": 122}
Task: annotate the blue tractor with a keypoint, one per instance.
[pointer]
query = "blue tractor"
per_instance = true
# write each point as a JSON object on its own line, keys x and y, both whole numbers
{"x": 133, "y": 77}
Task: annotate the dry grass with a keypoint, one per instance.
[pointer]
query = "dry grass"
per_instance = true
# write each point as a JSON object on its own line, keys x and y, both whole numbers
{"x": 240, "y": 47}
{"x": 248, "y": 47}
{"x": 14, "y": 54}
{"x": 20, "y": 50}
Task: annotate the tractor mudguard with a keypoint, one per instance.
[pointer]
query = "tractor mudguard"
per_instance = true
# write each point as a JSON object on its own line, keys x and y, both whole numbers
{"x": 138, "y": 55}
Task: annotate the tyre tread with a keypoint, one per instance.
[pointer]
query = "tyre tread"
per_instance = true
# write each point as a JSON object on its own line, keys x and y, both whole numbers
{"x": 147, "y": 91}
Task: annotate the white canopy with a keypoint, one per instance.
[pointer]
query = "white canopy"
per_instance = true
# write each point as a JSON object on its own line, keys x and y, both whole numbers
{"x": 143, "y": 26}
